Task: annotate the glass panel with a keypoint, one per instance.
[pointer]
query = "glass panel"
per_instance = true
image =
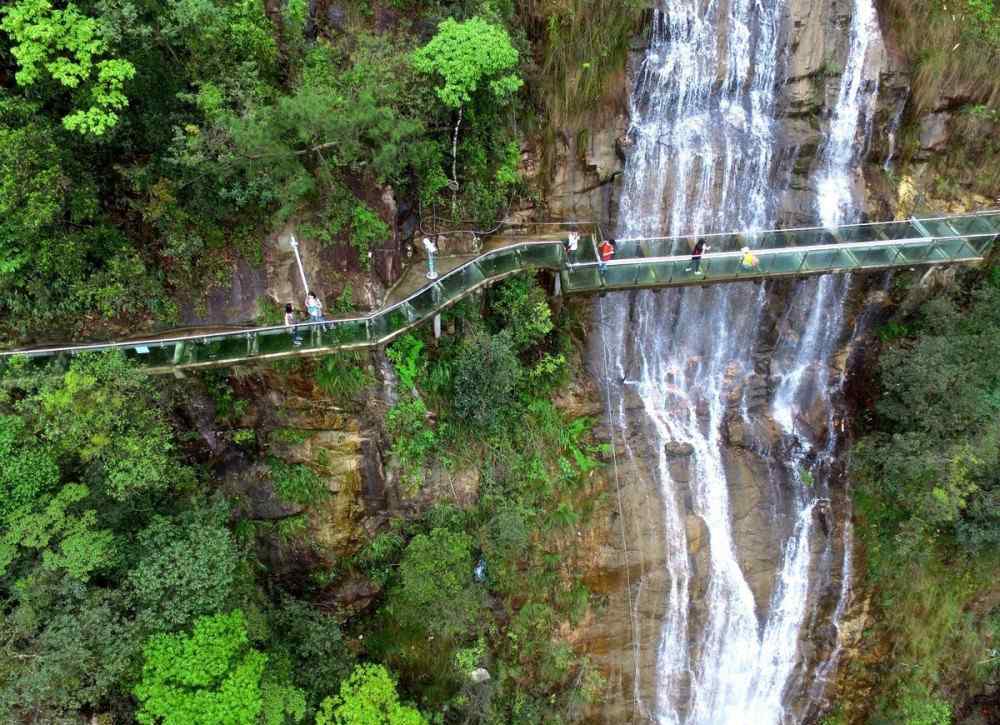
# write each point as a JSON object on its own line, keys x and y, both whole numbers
{"x": 349, "y": 332}
{"x": 499, "y": 263}
{"x": 662, "y": 272}
{"x": 981, "y": 244}
{"x": 954, "y": 248}
{"x": 975, "y": 224}
{"x": 857, "y": 233}
{"x": 721, "y": 267}
{"x": 452, "y": 286}
{"x": 628, "y": 250}
{"x": 396, "y": 320}
{"x": 728, "y": 242}
{"x": 938, "y": 227}
{"x": 621, "y": 275}
{"x": 875, "y": 256}
{"x": 683, "y": 271}
{"x": 582, "y": 278}
{"x": 897, "y": 230}
{"x": 812, "y": 238}
{"x": 425, "y": 302}
{"x": 584, "y": 250}
{"x": 828, "y": 259}
{"x": 665, "y": 247}
{"x": 789, "y": 262}
{"x": 155, "y": 355}
{"x": 912, "y": 254}
{"x": 644, "y": 275}
{"x": 541, "y": 255}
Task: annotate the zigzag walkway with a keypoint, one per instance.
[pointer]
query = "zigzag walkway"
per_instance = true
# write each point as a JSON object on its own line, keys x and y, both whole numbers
{"x": 637, "y": 263}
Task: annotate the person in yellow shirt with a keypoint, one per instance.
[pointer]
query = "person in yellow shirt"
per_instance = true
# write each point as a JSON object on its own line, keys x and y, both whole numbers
{"x": 748, "y": 261}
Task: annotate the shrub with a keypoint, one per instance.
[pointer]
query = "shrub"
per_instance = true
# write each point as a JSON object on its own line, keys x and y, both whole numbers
{"x": 342, "y": 375}
{"x": 295, "y": 483}
{"x": 435, "y": 592}
{"x": 413, "y": 439}
{"x": 368, "y": 697}
{"x": 486, "y": 375}
{"x": 525, "y": 312}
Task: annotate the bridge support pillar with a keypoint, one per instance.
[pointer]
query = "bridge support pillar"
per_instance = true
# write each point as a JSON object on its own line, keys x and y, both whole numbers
{"x": 557, "y": 290}
{"x": 437, "y": 327}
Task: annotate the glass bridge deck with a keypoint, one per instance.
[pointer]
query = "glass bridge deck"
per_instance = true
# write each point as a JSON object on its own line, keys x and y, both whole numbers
{"x": 637, "y": 263}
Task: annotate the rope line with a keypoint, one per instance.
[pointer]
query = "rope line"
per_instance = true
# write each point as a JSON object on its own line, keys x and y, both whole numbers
{"x": 621, "y": 513}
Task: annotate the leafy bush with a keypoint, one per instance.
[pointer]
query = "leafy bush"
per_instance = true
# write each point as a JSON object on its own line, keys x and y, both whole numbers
{"x": 486, "y": 375}
{"x": 435, "y": 592}
{"x": 211, "y": 675}
{"x": 406, "y": 357}
{"x": 342, "y": 375}
{"x": 412, "y": 438}
{"x": 186, "y": 569}
{"x": 467, "y": 56}
{"x": 524, "y": 310}
{"x": 366, "y": 228}
{"x": 296, "y": 482}
{"x": 368, "y": 697}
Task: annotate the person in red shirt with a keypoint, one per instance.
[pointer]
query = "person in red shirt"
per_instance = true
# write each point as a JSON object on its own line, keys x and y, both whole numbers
{"x": 606, "y": 250}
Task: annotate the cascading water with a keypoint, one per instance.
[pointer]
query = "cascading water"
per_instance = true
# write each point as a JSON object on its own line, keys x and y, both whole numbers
{"x": 703, "y": 135}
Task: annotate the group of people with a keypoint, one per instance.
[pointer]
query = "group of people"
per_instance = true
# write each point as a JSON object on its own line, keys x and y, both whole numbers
{"x": 314, "y": 308}
{"x": 748, "y": 261}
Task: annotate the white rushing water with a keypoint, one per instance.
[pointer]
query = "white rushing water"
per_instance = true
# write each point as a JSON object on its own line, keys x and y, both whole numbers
{"x": 703, "y": 136}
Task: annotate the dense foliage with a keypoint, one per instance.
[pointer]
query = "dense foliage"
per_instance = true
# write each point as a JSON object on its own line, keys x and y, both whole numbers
{"x": 928, "y": 497}
{"x": 146, "y": 146}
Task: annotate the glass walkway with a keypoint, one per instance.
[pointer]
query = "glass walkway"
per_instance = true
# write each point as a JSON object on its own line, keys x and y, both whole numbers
{"x": 637, "y": 263}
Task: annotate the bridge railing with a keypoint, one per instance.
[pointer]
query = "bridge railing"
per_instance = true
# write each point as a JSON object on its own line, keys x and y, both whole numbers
{"x": 854, "y": 247}
{"x": 193, "y": 350}
{"x": 976, "y": 224}
{"x": 679, "y": 269}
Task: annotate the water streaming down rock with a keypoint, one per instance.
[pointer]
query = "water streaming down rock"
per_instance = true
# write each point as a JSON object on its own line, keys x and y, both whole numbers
{"x": 702, "y": 140}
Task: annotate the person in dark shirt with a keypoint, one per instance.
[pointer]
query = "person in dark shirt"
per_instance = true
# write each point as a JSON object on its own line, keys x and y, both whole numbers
{"x": 699, "y": 248}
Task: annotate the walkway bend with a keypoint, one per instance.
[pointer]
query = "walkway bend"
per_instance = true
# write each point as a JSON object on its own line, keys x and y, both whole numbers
{"x": 637, "y": 263}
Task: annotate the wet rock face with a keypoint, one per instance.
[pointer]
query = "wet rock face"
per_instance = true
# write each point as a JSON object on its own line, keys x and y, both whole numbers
{"x": 818, "y": 33}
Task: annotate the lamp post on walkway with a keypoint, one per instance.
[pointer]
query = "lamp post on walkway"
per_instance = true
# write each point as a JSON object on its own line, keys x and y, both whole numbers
{"x": 298, "y": 261}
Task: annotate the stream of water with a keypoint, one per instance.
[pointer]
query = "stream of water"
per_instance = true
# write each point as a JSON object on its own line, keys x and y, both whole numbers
{"x": 704, "y": 133}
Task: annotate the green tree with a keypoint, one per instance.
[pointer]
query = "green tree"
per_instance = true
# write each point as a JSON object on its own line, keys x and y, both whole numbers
{"x": 368, "y": 697}
{"x": 314, "y": 645}
{"x": 468, "y": 56}
{"x": 525, "y": 312}
{"x": 72, "y": 654}
{"x": 70, "y": 48}
{"x": 210, "y": 677}
{"x": 67, "y": 538}
{"x": 436, "y": 592}
{"x": 486, "y": 374}
{"x": 102, "y": 413}
{"x": 186, "y": 569}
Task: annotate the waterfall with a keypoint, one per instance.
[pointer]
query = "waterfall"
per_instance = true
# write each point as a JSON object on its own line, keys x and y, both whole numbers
{"x": 702, "y": 137}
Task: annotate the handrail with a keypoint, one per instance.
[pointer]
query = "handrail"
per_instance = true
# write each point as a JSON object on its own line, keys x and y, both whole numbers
{"x": 761, "y": 232}
{"x": 161, "y": 341}
{"x": 382, "y": 325}
{"x": 846, "y": 246}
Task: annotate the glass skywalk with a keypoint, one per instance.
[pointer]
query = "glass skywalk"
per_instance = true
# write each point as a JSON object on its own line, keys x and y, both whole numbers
{"x": 637, "y": 263}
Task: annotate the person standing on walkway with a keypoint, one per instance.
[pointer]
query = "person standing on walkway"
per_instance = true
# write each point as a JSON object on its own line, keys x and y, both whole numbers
{"x": 290, "y": 323}
{"x": 699, "y": 248}
{"x": 605, "y": 251}
{"x": 749, "y": 261}
{"x": 315, "y": 309}
{"x": 431, "y": 249}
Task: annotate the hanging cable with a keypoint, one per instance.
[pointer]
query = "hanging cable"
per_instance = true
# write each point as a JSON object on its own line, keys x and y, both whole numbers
{"x": 621, "y": 513}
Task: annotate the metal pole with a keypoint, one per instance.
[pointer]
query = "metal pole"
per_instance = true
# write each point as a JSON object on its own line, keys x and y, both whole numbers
{"x": 298, "y": 261}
